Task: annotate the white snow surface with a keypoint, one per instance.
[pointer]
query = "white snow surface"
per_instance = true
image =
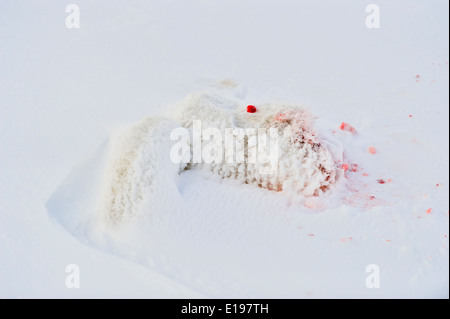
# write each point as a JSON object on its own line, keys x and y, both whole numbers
{"x": 76, "y": 104}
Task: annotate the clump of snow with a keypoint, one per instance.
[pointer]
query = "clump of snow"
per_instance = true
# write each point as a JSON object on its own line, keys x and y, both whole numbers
{"x": 304, "y": 164}
{"x": 139, "y": 168}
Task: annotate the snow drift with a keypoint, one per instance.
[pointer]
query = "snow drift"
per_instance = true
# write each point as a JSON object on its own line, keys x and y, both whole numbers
{"x": 139, "y": 168}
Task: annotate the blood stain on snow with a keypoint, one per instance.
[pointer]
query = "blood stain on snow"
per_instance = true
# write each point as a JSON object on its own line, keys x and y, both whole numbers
{"x": 429, "y": 210}
{"x": 354, "y": 167}
{"x": 365, "y": 174}
{"x": 310, "y": 203}
{"x": 388, "y": 240}
{"x": 344, "y": 167}
{"x": 347, "y": 127}
{"x": 363, "y": 200}
{"x": 372, "y": 150}
{"x": 381, "y": 181}
{"x": 311, "y": 235}
{"x": 345, "y": 239}
{"x": 410, "y": 115}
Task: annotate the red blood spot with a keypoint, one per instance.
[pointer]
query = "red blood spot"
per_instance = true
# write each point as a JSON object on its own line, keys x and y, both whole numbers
{"x": 280, "y": 117}
{"x": 389, "y": 180}
{"x": 417, "y": 76}
{"x": 311, "y": 203}
{"x": 429, "y": 211}
{"x": 311, "y": 235}
{"x": 381, "y": 181}
{"x": 372, "y": 150}
{"x": 354, "y": 167}
{"x": 347, "y": 127}
{"x": 388, "y": 240}
{"x": 437, "y": 185}
{"x": 344, "y": 239}
{"x": 251, "y": 109}
{"x": 410, "y": 115}
{"x": 445, "y": 236}
{"x": 372, "y": 197}
{"x": 344, "y": 167}
{"x": 365, "y": 174}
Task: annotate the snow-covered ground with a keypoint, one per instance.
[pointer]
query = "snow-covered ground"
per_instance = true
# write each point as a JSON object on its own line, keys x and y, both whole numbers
{"x": 65, "y": 93}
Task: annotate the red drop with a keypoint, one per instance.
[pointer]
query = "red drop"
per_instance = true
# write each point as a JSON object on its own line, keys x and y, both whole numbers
{"x": 251, "y": 109}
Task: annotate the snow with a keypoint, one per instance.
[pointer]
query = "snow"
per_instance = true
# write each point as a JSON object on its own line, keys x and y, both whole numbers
{"x": 283, "y": 151}
{"x": 67, "y": 94}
